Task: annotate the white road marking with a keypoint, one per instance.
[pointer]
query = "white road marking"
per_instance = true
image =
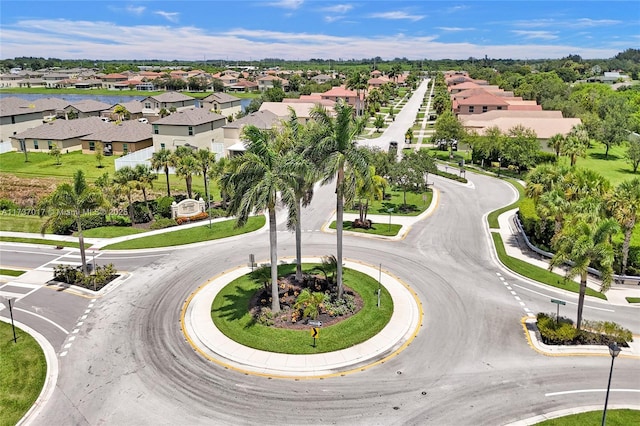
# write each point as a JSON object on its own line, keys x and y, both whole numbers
{"x": 76, "y": 331}
{"x": 67, "y": 346}
{"x": 63, "y": 353}
{"x": 42, "y": 318}
{"x": 590, "y": 390}
{"x": 573, "y": 303}
{"x": 517, "y": 298}
{"x": 72, "y": 338}
{"x": 87, "y": 311}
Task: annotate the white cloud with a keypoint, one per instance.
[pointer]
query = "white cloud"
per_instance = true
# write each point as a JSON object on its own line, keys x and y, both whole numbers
{"x": 586, "y": 22}
{"x": 454, "y": 29}
{"x": 543, "y": 35}
{"x": 136, "y": 10}
{"x": 338, "y": 8}
{"x": 396, "y": 15}
{"x": 169, "y": 16}
{"x": 287, "y": 4}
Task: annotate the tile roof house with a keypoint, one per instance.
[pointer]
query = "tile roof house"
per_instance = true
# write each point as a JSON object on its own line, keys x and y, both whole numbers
{"x": 322, "y": 78}
{"x": 233, "y": 143}
{"x": 65, "y": 134}
{"x": 544, "y": 123}
{"x": 198, "y": 127}
{"x": 222, "y": 103}
{"x": 267, "y": 82}
{"x": 109, "y": 80}
{"x": 340, "y": 92}
{"x": 243, "y": 85}
{"x": 119, "y": 138}
{"x": 167, "y": 100}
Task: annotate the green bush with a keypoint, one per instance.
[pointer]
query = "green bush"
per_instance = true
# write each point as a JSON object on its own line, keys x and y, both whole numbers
{"x": 611, "y": 329}
{"x": 162, "y": 223}
{"x": 546, "y": 157}
{"x": 163, "y": 206}
{"x": 562, "y": 332}
{"x": 140, "y": 212}
{"x": 450, "y": 176}
{"x": 67, "y": 225}
{"x": 554, "y": 332}
{"x": 217, "y": 212}
{"x": 7, "y": 205}
{"x": 117, "y": 220}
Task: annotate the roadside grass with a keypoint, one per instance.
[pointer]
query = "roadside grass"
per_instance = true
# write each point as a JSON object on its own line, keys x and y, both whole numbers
{"x": 633, "y": 299}
{"x": 621, "y": 417}
{"x": 23, "y": 369}
{"x": 43, "y": 241}
{"x": 11, "y": 272}
{"x": 196, "y": 234}
{"x": 41, "y": 164}
{"x": 229, "y": 312}
{"x": 536, "y": 273}
{"x": 111, "y": 231}
{"x": 21, "y": 223}
{"x": 383, "y": 229}
{"x": 492, "y": 217}
{"x": 414, "y": 200}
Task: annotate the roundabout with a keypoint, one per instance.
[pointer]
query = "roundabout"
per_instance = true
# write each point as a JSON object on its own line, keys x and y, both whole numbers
{"x": 212, "y": 344}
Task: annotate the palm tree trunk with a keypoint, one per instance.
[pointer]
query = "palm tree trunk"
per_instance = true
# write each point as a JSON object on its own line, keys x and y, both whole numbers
{"x": 188, "y": 182}
{"x": 583, "y": 290}
{"x": 273, "y": 248}
{"x": 131, "y": 215}
{"x": 166, "y": 172}
{"x": 83, "y": 255}
{"x": 339, "y": 219}
{"x": 625, "y": 249}
{"x": 298, "y": 242}
{"x": 206, "y": 189}
{"x": 146, "y": 203}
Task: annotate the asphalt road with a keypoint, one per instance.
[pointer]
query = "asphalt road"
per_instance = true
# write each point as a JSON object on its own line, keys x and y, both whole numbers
{"x": 470, "y": 364}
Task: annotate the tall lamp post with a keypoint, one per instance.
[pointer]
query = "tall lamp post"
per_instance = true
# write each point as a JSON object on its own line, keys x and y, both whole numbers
{"x": 614, "y": 351}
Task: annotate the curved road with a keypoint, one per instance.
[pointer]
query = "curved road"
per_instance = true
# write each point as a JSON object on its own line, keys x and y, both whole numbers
{"x": 470, "y": 364}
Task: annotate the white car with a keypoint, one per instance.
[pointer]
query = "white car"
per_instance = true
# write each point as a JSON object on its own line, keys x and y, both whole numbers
{"x": 143, "y": 120}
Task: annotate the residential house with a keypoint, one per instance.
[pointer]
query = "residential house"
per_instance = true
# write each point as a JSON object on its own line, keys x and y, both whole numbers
{"x": 268, "y": 82}
{"x": 322, "y": 78}
{"x": 109, "y": 80}
{"x": 243, "y": 85}
{"x": 52, "y": 79}
{"x": 302, "y": 110}
{"x": 91, "y": 83}
{"x": 347, "y": 95}
{"x": 86, "y": 108}
{"x": 65, "y": 134}
{"x": 18, "y": 115}
{"x": 119, "y": 138}
{"x": 134, "y": 107}
{"x": 152, "y": 105}
{"x": 222, "y": 103}
{"x": 198, "y": 128}
{"x": 233, "y": 143}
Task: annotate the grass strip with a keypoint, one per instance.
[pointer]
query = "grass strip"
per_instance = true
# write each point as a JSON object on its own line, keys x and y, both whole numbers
{"x": 633, "y": 299}
{"x": 23, "y": 368}
{"x": 190, "y": 235}
{"x": 229, "y": 312}
{"x": 11, "y": 272}
{"x": 383, "y": 229}
{"x": 492, "y": 218}
{"x": 622, "y": 417}
{"x": 112, "y": 231}
{"x": 43, "y": 241}
{"x": 536, "y": 273}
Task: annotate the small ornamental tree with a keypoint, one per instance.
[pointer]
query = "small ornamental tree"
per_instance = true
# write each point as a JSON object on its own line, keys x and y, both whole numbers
{"x": 55, "y": 152}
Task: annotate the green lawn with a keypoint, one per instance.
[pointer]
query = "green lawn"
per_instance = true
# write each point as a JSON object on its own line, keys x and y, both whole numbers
{"x": 633, "y": 299}
{"x": 111, "y": 231}
{"x": 70, "y": 91}
{"x": 536, "y": 273}
{"x": 21, "y": 223}
{"x": 22, "y": 374}
{"x": 229, "y": 312}
{"x": 383, "y": 229}
{"x": 43, "y": 241}
{"x": 396, "y": 201}
{"x": 11, "y": 272}
{"x": 492, "y": 218}
{"x": 41, "y": 164}
{"x": 614, "y": 418}
{"x": 196, "y": 234}
{"x": 616, "y": 168}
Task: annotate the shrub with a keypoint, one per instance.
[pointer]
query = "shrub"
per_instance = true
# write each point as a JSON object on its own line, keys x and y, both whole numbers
{"x": 162, "y": 223}
{"x": 7, "y": 205}
{"x": 554, "y": 332}
{"x": 562, "y": 332}
{"x": 545, "y": 157}
{"x": 163, "y": 206}
{"x": 450, "y": 176}
{"x": 117, "y": 220}
{"x": 199, "y": 216}
{"x": 216, "y": 212}
{"x": 610, "y": 329}
{"x": 140, "y": 212}
{"x": 67, "y": 225}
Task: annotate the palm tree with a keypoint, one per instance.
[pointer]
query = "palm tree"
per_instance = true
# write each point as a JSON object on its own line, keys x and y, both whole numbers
{"x": 121, "y": 111}
{"x": 186, "y": 167}
{"x": 336, "y": 154}
{"x": 624, "y": 205}
{"x": 205, "y": 160}
{"x": 72, "y": 200}
{"x": 575, "y": 144}
{"x": 358, "y": 81}
{"x": 163, "y": 159}
{"x": 582, "y": 243}
{"x": 555, "y": 142}
{"x": 144, "y": 178}
{"x": 124, "y": 180}
{"x": 254, "y": 180}
{"x": 369, "y": 190}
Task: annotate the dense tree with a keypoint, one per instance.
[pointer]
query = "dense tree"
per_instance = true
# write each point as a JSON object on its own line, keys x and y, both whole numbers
{"x": 633, "y": 152}
{"x": 624, "y": 205}
{"x": 520, "y": 147}
{"x": 575, "y": 144}
{"x": 144, "y": 177}
{"x": 613, "y": 125}
{"x": 124, "y": 180}
{"x": 71, "y": 201}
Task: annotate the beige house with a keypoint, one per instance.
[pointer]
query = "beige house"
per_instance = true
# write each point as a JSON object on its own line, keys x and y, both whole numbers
{"x": 233, "y": 143}
{"x": 152, "y": 105}
{"x": 65, "y": 134}
{"x": 283, "y": 110}
{"x": 18, "y": 115}
{"x": 198, "y": 128}
{"x": 221, "y": 103}
{"x": 268, "y": 82}
{"x": 86, "y": 108}
{"x": 119, "y": 138}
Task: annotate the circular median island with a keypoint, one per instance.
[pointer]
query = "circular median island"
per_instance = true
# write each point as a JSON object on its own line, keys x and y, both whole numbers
{"x": 229, "y": 320}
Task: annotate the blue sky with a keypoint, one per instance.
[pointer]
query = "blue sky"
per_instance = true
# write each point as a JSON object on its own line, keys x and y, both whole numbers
{"x": 304, "y": 29}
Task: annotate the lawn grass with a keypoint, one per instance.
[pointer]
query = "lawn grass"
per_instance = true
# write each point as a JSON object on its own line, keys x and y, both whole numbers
{"x": 633, "y": 299}
{"x": 396, "y": 201}
{"x": 616, "y": 168}
{"x": 21, "y": 223}
{"x": 23, "y": 369}
{"x": 622, "y": 417}
{"x": 229, "y": 312}
{"x": 111, "y": 231}
{"x": 41, "y": 164}
{"x": 383, "y": 229}
{"x": 492, "y": 218}
{"x": 11, "y": 272}
{"x": 43, "y": 241}
{"x": 536, "y": 273}
{"x": 196, "y": 234}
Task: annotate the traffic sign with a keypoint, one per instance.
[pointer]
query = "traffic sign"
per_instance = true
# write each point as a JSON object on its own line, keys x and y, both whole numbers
{"x": 315, "y": 332}
{"x": 559, "y": 302}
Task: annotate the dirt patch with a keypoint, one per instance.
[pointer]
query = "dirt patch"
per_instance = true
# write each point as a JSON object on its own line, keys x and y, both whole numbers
{"x": 26, "y": 192}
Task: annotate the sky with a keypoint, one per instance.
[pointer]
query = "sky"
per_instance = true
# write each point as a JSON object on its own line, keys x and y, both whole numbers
{"x": 304, "y": 29}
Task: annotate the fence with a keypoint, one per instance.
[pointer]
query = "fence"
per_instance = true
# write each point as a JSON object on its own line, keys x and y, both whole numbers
{"x": 142, "y": 156}
{"x": 5, "y": 147}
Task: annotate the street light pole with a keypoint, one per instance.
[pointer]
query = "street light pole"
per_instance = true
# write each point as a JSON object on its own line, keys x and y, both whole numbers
{"x": 614, "y": 350}
{"x": 8, "y": 300}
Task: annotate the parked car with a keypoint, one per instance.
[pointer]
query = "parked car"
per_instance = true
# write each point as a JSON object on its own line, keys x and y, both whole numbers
{"x": 143, "y": 120}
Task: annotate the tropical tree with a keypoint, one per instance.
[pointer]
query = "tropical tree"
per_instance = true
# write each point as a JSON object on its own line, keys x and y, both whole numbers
{"x": 583, "y": 243}
{"x": 205, "y": 160}
{"x": 556, "y": 142}
{"x": 163, "y": 159}
{"x": 144, "y": 177}
{"x": 124, "y": 180}
{"x": 55, "y": 152}
{"x": 186, "y": 167}
{"x": 633, "y": 152}
{"x": 122, "y": 112}
{"x": 575, "y": 144}
{"x": 358, "y": 81}
{"x": 72, "y": 201}
{"x": 624, "y": 205}
{"x": 378, "y": 122}
{"x": 367, "y": 191}
{"x": 254, "y": 181}
{"x": 99, "y": 154}
{"x": 337, "y": 156}
{"x": 309, "y": 303}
